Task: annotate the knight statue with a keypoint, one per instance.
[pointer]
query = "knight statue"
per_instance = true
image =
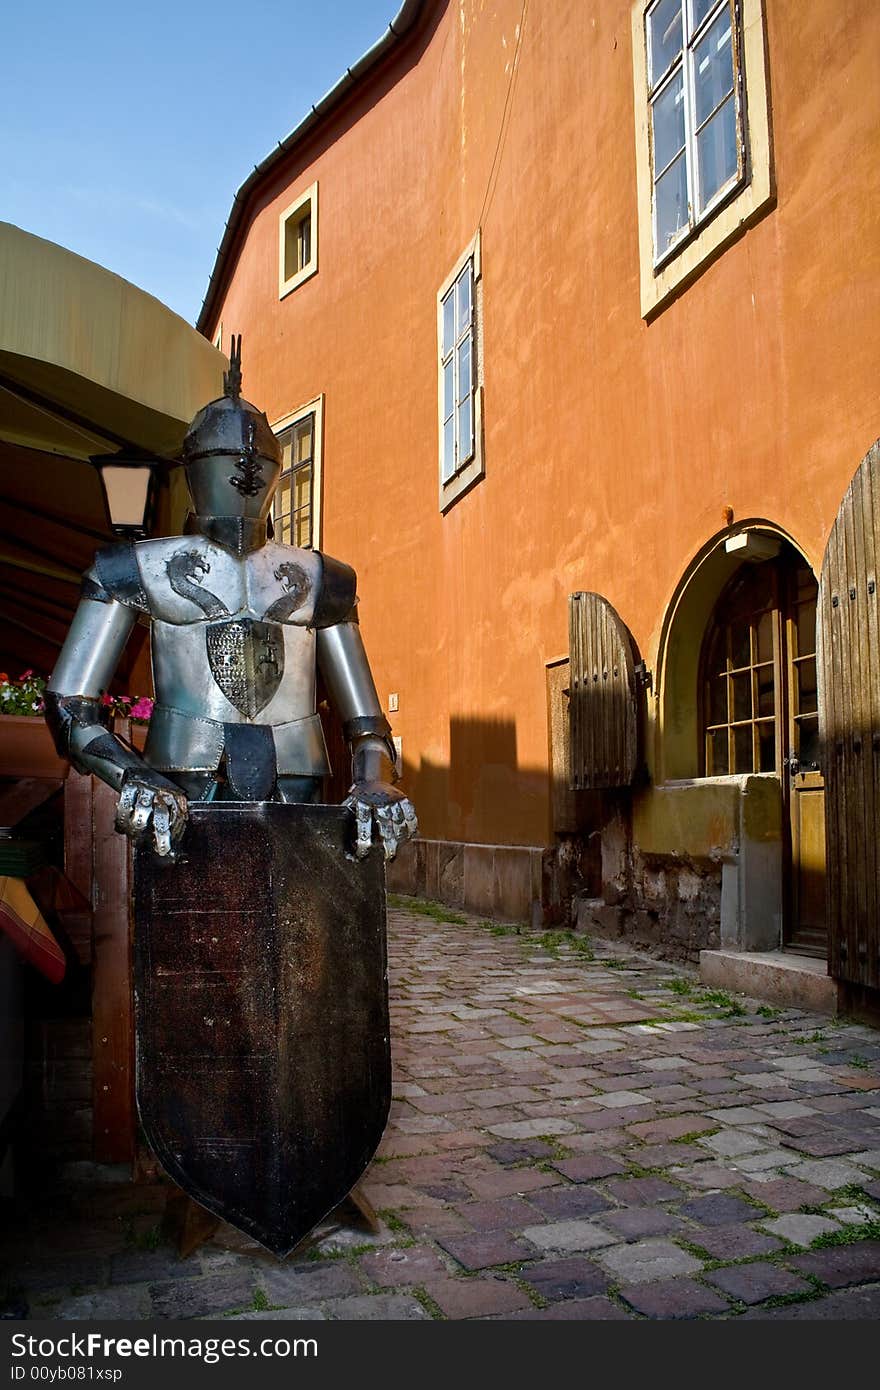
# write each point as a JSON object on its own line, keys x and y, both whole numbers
{"x": 263, "y": 1064}
{"x": 238, "y": 624}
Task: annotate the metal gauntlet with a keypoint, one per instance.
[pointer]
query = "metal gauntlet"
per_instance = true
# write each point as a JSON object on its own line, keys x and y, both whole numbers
{"x": 149, "y": 805}
{"x": 372, "y": 798}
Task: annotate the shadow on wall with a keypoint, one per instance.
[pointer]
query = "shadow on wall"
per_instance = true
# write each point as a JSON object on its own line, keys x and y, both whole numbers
{"x": 482, "y": 795}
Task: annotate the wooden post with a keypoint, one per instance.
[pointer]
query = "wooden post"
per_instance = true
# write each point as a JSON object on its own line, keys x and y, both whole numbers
{"x": 112, "y": 1031}
{"x": 78, "y": 856}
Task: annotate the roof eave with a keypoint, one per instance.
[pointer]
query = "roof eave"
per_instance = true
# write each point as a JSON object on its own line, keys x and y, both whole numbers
{"x": 400, "y": 25}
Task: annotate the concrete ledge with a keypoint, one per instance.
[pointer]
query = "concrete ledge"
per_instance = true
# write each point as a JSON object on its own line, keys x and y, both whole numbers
{"x": 792, "y": 982}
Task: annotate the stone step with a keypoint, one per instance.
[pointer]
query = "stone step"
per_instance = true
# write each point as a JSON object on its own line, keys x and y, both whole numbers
{"x": 790, "y": 981}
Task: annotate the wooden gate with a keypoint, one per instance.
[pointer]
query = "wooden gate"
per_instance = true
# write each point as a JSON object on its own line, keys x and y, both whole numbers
{"x": 602, "y": 695}
{"x": 848, "y": 643}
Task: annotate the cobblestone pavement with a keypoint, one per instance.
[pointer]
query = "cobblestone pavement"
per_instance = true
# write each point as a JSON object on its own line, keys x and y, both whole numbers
{"x": 571, "y": 1137}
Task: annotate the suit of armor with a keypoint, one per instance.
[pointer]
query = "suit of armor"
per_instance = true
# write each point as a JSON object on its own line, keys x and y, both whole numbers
{"x": 238, "y": 625}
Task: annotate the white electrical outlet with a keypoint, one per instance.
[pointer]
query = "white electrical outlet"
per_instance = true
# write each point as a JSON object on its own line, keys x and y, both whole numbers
{"x": 393, "y": 703}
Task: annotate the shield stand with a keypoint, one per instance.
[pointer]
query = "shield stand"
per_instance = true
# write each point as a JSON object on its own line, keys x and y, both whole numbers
{"x": 263, "y": 1067}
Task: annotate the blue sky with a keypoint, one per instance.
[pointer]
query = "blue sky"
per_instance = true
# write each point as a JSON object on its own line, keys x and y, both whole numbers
{"x": 126, "y": 128}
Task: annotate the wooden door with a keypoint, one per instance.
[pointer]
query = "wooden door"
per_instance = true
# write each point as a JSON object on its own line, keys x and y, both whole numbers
{"x": 803, "y": 778}
{"x": 603, "y": 722}
{"x": 849, "y": 708}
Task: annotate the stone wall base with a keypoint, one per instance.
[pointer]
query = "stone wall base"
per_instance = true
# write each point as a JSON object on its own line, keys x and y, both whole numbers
{"x": 501, "y": 882}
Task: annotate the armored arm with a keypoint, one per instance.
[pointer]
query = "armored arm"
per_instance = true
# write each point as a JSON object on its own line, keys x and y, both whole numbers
{"x": 346, "y": 671}
{"x": 148, "y": 802}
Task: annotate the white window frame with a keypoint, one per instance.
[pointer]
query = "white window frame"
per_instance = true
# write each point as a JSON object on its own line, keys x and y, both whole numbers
{"x": 315, "y": 408}
{"x": 304, "y": 205}
{"x": 747, "y": 195}
{"x": 469, "y": 461}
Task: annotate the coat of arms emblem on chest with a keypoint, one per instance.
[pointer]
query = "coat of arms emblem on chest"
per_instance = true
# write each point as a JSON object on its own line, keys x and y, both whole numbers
{"x": 246, "y": 657}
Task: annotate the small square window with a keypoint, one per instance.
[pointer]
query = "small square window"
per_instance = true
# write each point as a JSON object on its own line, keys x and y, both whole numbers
{"x": 298, "y": 241}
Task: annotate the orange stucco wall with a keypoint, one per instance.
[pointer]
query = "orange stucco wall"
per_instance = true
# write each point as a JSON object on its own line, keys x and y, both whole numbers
{"x": 612, "y": 445}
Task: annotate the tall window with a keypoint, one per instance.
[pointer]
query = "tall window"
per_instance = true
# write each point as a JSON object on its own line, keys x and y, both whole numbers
{"x": 456, "y": 365}
{"x": 702, "y": 133}
{"x": 458, "y": 334}
{"x": 293, "y": 513}
{"x": 697, "y": 137}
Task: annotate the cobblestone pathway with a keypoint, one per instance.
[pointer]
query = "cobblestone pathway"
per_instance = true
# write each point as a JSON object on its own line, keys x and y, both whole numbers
{"x": 571, "y": 1137}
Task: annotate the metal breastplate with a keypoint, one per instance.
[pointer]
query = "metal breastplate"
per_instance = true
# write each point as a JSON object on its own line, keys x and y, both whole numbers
{"x": 231, "y": 645}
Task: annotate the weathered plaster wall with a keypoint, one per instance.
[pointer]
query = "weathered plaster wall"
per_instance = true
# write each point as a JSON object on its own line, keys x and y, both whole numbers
{"x": 613, "y": 447}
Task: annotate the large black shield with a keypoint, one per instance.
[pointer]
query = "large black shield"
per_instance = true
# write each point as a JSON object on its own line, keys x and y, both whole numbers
{"x": 261, "y": 1011}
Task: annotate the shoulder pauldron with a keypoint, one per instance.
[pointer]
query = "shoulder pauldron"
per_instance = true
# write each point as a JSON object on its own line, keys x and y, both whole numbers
{"x": 337, "y": 593}
{"x": 116, "y": 576}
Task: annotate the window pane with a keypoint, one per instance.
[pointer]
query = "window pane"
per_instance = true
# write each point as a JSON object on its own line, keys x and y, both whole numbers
{"x": 716, "y": 754}
{"x": 717, "y": 660}
{"x": 716, "y": 151}
{"x": 718, "y": 700}
{"x": 671, "y": 205}
{"x": 465, "y": 431}
{"x": 303, "y": 440}
{"x": 767, "y": 747}
{"x": 806, "y": 679}
{"x": 806, "y": 629}
{"x": 766, "y": 695}
{"x": 463, "y": 297}
{"x": 448, "y": 321}
{"x": 667, "y": 116}
{"x": 449, "y": 448}
{"x": 740, "y": 645}
{"x": 743, "y": 754}
{"x": 282, "y": 496}
{"x": 701, "y": 9}
{"x": 808, "y": 745}
{"x": 742, "y": 695}
{"x": 713, "y": 68}
{"x": 464, "y": 369}
{"x": 305, "y": 241}
{"x": 448, "y": 390}
{"x": 765, "y": 637}
{"x": 664, "y": 36}
{"x": 303, "y": 528}
{"x": 302, "y": 488}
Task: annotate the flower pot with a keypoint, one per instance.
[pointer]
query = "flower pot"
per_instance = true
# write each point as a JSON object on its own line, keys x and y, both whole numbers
{"x": 26, "y": 748}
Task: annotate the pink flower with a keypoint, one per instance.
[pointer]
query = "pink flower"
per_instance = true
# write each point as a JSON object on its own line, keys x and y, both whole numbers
{"x": 106, "y": 699}
{"x": 142, "y": 709}
{"x": 25, "y": 675}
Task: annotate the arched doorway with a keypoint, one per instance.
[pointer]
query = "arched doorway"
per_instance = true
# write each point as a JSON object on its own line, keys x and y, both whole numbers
{"x": 758, "y": 713}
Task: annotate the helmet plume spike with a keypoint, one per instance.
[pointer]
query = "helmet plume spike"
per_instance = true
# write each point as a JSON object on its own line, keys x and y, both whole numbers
{"x": 232, "y": 378}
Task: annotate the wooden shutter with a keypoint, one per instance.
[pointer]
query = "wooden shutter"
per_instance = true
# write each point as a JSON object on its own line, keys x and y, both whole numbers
{"x": 848, "y": 668}
{"x": 602, "y": 695}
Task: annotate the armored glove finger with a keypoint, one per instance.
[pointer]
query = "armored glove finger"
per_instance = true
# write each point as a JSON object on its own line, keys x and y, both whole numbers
{"x": 141, "y": 811}
{"x": 410, "y": 819}
{"x": 162, "y": 829}
{"x": 386, "y": 821}
{"x": 364, "y": 835}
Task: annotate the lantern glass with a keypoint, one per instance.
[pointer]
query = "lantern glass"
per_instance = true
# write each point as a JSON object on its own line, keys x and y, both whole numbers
{"x": 128, "y": 490}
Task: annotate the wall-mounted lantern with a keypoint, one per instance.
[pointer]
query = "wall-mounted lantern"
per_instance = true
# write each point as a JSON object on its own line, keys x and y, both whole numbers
{"x": 131, "y": 486}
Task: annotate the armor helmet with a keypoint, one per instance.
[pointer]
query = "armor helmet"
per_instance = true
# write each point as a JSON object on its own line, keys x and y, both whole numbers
{"x": 231, "y": 456}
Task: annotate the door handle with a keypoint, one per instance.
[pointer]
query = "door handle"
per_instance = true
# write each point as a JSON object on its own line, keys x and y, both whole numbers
{"x": 792, "y": 764}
